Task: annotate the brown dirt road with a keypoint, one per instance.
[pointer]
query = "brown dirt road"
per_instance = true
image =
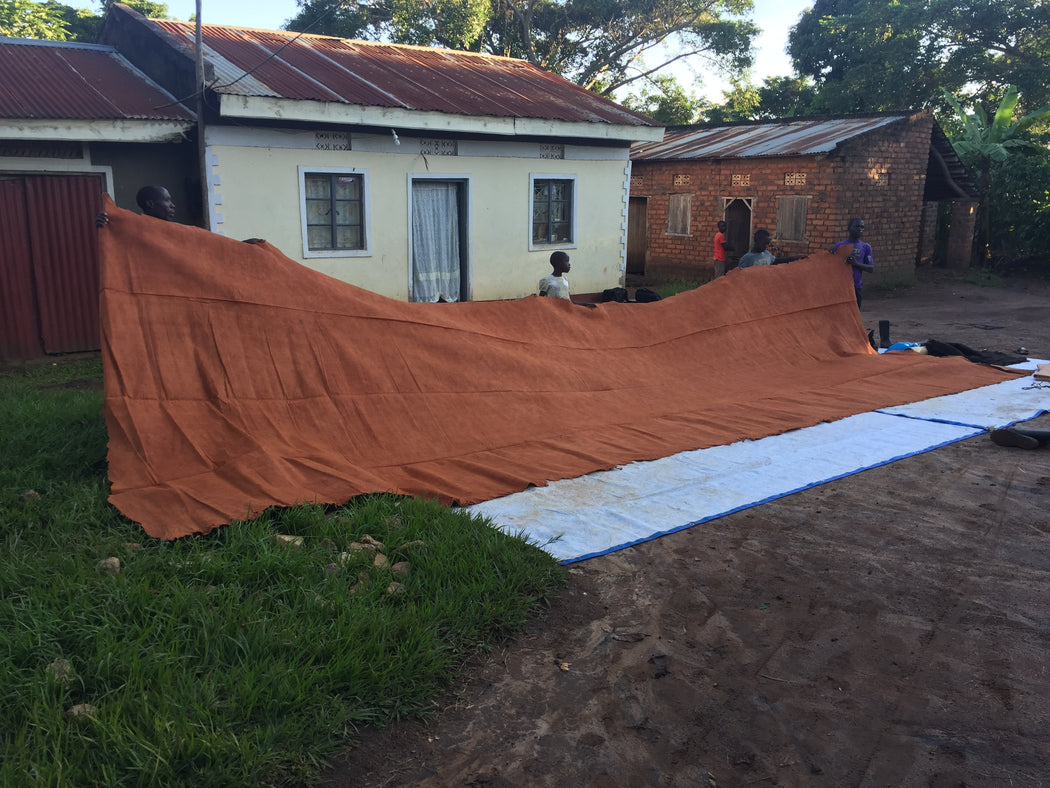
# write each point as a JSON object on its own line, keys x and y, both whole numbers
{"x": 891, "y": 628}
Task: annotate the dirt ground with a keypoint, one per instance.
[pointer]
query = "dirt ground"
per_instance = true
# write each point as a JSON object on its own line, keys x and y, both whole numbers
{"x": 887, "y": 629}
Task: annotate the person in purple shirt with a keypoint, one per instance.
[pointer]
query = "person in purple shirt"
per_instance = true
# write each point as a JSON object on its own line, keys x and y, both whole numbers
{"x": 861, "y": 257}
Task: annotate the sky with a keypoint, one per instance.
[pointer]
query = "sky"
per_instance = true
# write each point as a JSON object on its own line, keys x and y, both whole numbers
{"x": 775, "y": 17}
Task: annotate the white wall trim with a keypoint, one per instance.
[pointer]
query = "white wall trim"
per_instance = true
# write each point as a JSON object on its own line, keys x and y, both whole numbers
{"x": 95, "y": 130}
{"x": 331, "y": 112}
{"x": 17, "y": 165}
{"x": 626, "y": 222}
{"x": 405, "y": 143}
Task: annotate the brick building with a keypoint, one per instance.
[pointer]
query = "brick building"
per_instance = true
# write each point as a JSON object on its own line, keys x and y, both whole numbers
{"x": 801, "y": 179}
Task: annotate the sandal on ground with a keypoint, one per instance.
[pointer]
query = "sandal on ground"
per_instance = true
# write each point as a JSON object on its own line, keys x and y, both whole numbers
{"x": 1009, "y": 437}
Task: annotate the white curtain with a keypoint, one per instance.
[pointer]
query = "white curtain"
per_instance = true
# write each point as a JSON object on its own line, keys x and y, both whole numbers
{"x": 435, "y": 241}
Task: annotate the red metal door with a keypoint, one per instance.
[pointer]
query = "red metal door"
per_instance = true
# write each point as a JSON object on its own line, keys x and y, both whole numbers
{"x": 60, "y": 213}
{"x": 19, "y": 327}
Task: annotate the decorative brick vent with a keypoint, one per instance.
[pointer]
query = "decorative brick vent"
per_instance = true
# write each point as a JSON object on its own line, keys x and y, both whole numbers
{"x": 438, "y": 148}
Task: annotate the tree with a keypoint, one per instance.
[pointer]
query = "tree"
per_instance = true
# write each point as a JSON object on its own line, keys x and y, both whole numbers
{"x": 982, "y": 143}
{"x": 740, "y": 102}
{"x": 868, "y": 55}
{"x": 667, "y": 102}
{"x": 52, "y": 21}
{"x": 776, "y": 97}
{"x": 603, "y": 45}
{"x": 1019, "y": 207}
{"x": 27, "y": 19}
{"x": 864, "y": 55}
{"x": 784, "y": 97}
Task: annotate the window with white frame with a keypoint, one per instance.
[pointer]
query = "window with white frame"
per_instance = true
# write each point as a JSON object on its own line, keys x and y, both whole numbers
{"x": 678, "y": 210}
{"x": 334, "y": 211}
{"x": 791, "y": 218}
{"x": 553, "y": 210}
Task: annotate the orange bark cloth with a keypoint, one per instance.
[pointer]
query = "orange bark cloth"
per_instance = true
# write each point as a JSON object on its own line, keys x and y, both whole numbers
{"x": 237, "y": 379}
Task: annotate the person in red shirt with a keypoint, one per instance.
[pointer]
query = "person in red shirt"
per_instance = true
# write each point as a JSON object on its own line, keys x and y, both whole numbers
{"x": 721, "y": 247}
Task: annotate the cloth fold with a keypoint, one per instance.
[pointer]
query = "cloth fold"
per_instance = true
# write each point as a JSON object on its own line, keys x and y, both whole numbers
{"x": 237, "y": 379}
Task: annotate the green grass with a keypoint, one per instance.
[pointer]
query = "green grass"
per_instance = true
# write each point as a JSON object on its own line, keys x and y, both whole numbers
{"x": 982, "y": 277}
{"x": 676, "y": 286}
{"x": 229, "y": 659}
{"x": 889, "y": 285}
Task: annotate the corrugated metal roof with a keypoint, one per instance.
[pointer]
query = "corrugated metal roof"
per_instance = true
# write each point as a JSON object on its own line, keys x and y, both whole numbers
{"x": 792, "y": 138}
{"x": 362, "y": 73}
{"x": 48, "y": 80}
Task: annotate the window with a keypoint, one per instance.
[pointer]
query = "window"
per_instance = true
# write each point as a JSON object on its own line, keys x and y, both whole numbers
{"x": 553, "y": 210}
{"x": 333, "y": 210}
{"x": 791, "y": 218}
{"x": 678, "y": 210}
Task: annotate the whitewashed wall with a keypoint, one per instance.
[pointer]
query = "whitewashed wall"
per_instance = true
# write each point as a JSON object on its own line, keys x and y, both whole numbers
{"x": 254, "y": 186}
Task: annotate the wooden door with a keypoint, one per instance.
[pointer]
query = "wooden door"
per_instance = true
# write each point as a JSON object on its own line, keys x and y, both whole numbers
{"x": 637, "y": 234}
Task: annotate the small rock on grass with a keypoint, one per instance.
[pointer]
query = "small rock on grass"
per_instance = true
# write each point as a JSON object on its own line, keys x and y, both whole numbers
{"x": 395, "y": 589}
{"x": 374, "y": 542}
{"x": 401, "y": 568}
{"x": 381, "y": 561}
{"x": 60, "y": 671}
{"x": 81, "y": 710}
{"x": 111, "y": 565}
{"x": 363, "y": 579}
{"x": 287, "y": 540}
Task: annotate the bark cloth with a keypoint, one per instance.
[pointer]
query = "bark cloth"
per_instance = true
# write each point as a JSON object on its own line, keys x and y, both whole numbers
{"x": 237, "y": 379}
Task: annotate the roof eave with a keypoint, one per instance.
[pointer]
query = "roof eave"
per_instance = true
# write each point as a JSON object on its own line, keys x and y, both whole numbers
{"x": 277, "y": 109}
{"x": 65, "y": 130}
{"x": 797, "y": 155}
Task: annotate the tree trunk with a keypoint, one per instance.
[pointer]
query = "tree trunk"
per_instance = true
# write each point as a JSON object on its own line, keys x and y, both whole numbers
{"x": 982, "y": 254}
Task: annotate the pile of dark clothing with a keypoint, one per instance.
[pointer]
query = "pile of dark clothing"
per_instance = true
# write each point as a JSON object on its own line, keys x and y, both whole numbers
{"x": 643, "y": 295}
{"x": 935, "y": 347}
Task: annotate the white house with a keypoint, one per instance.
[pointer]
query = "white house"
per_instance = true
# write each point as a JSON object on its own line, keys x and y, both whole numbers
{"x": 421, "y": 174}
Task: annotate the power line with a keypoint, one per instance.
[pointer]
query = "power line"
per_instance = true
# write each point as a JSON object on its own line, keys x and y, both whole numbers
{"x": 200, "y": 91}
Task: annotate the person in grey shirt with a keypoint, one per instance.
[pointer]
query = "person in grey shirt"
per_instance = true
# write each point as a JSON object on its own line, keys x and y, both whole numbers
{"x": 759, "y": 255}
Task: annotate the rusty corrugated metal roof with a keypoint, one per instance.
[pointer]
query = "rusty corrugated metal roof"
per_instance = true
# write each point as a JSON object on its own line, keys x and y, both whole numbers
{"x": 281, "y": 65}
{"x": 49, "y": 80}
{"x": 804, "y": 137}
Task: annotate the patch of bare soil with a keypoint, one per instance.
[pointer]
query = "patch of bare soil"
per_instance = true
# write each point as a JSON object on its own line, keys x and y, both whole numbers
{"x": 891, "y": 628}
{"x": 942, "y": 306}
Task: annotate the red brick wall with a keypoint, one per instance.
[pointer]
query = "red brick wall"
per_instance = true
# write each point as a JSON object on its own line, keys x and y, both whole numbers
{"x": 879, "y": 177}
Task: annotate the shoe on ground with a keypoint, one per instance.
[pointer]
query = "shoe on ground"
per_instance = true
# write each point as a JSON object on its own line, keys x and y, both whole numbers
{"x": 1009, "y": 437}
